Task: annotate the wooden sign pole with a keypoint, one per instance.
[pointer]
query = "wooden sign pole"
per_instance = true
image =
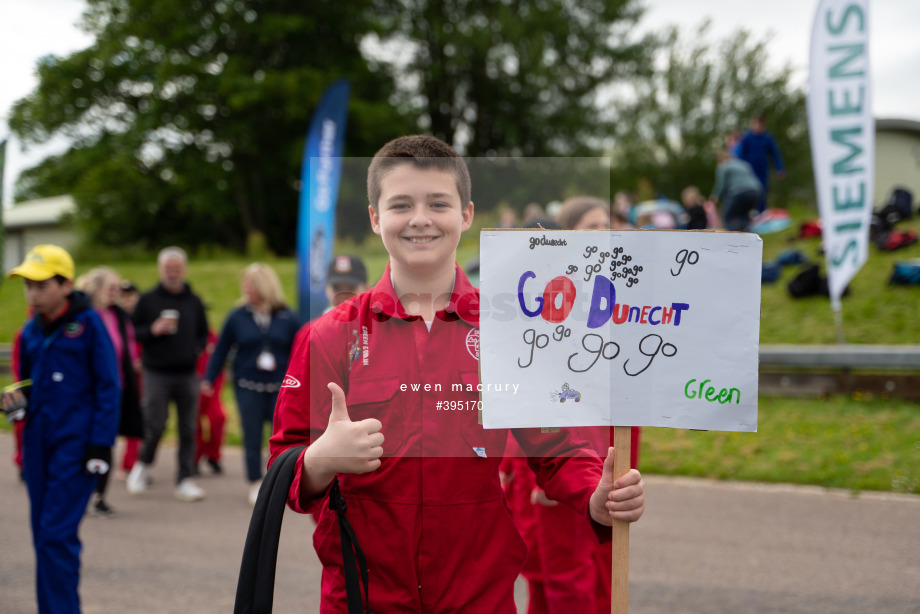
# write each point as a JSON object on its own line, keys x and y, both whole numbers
{"x": 619, "y": 602}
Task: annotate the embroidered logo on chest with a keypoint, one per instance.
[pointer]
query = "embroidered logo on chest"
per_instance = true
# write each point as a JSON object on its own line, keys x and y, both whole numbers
{"x": 74, "y": 330}
{"x": 472, "y": 343}
{"x": 354, "y": 349}
{"x": 290, "y": 382}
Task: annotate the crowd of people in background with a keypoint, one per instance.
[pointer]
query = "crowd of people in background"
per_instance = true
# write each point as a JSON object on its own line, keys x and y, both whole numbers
{"x": 97, "y": 359}
{"x": 165, "y": 351}
{"x": 738, "y": 195}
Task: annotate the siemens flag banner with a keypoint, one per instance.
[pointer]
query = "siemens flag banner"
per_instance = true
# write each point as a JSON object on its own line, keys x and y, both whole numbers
{"x": 320, "y": 176}
{"x": 842, "y": 132}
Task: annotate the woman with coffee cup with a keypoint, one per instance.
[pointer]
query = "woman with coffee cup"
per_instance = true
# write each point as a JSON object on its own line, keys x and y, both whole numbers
{"x": 261, "y": 330}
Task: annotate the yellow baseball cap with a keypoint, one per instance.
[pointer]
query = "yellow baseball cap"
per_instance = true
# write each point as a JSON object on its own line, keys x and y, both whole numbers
{"x": 44, "y": 262}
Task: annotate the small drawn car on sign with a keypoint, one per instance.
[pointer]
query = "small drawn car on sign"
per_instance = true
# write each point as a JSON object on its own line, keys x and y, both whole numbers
{"x": 568, "y": 393}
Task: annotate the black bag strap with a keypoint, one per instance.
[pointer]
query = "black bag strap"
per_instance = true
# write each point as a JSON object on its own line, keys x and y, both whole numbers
{"x": 256, "y": 585}
{"x": 353, "y": 561}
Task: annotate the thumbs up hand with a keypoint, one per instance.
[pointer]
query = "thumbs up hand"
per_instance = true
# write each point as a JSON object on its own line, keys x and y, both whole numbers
{"x": 621, "y": 499}
{"x": 346, "y": 446}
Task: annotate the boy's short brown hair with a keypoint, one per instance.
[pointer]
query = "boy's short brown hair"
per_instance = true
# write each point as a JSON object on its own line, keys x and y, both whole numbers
{"x": 423, "y": 152}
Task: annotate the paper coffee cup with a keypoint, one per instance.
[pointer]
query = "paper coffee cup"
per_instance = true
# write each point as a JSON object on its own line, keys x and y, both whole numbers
{"x": 173, "y": 316}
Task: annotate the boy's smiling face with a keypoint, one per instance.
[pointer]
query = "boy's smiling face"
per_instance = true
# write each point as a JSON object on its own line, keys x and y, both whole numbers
{"x": 420, "y": 217}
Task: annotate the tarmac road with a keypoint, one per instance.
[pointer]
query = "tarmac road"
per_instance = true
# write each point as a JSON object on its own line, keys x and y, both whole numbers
{"x": 702, "y": 547}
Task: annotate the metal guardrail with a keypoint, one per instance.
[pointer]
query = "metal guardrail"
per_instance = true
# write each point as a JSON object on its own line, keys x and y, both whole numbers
{"x": 863, "y": 371}
{"x": 844, "y": 356}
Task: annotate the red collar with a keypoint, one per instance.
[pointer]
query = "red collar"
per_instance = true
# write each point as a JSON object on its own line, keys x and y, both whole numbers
{"x": 463, "y": 304}
{"x": 59, "y": 313}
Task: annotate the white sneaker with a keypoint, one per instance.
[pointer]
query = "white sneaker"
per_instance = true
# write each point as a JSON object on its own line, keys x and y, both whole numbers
{"x": 138, "y": 479}
{"x": 188, "y": 490}
{"x": 254, "y": 492}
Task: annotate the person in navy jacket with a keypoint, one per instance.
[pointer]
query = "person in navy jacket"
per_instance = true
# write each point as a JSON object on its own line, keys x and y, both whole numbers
{"x": 72, "y": 413}
{"x": 261, "y": 330}
{"x": 757, "y": 147}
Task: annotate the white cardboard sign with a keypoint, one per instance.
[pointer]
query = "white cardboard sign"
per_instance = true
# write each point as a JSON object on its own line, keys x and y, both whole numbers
{"x": 620, "y": 328}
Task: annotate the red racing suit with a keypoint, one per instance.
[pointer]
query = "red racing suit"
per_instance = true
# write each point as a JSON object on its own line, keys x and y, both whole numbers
{"x": 567, "y": 570}
{"x": 432, "y": 520}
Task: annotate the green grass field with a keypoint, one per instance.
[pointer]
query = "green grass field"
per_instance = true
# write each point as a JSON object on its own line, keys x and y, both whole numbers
{"x": 839, "y": 442}
{"x": 874, "y": 312}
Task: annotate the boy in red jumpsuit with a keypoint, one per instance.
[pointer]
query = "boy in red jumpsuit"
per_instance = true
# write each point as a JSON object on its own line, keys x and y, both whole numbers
{"x": 367, "y": 389}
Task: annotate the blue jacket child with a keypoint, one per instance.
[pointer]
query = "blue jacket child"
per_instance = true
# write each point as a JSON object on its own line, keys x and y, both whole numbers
{"x": 71, "y": 421}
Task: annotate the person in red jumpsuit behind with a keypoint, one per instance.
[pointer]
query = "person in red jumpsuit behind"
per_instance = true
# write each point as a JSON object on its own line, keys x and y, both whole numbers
{"x": 366, "y": 390}
{"x": 210, "y": 408}
{"x": 567, "y": 570}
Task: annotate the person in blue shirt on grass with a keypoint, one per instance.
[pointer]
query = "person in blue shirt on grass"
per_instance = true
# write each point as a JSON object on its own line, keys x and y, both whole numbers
{"x": 758, "y": 148}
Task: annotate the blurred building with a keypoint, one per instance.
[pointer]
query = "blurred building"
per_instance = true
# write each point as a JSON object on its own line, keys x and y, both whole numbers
{"x": 33, "y": 222}
{"x": 897, "y": 158}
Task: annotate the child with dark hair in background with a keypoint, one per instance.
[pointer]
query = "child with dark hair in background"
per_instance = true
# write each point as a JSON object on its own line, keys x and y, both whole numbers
{"x": 345, "y": 279}
{"x": 702, "y": 213}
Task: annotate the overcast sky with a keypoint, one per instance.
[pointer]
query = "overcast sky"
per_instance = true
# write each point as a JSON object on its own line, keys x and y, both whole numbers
{"x": 30, "y": 29}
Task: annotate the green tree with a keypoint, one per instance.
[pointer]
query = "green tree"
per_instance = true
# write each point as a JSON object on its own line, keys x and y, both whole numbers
{"x": 187, "y": 117}
{"x": 670, "y": 127}
{"x": 510, "y": 77}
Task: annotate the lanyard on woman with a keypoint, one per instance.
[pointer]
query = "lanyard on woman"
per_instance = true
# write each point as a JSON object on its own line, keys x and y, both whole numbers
{"x": 266, "y": 360}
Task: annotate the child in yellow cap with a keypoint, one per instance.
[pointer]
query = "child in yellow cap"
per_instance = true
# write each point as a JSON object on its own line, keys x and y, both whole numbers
{"x": 72, "y": 395}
